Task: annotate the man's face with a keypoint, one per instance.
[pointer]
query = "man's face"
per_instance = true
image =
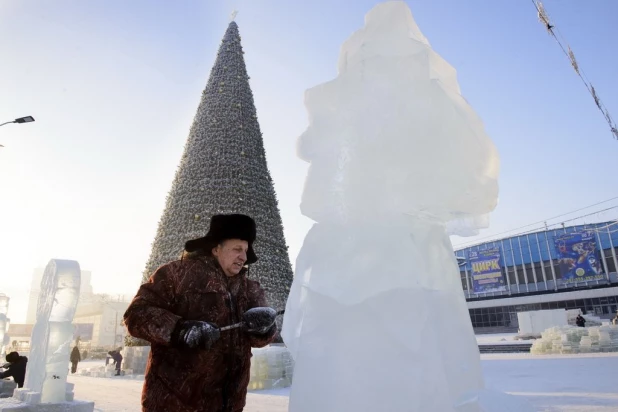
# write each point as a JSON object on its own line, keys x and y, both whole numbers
{"x": 231, "y": 255}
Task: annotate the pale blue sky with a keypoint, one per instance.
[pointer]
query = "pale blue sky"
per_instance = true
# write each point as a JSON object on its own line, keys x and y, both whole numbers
{"x": 114, "y": 86}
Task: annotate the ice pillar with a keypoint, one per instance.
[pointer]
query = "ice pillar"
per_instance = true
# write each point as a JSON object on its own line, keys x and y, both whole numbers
{"x": 4, "y": 323}
{"x": 53, "y": 331}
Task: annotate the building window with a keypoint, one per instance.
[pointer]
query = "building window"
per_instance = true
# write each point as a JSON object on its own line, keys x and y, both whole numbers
{"x": 505, "y": 316}
{"x": 521, "y": 277}
{"x": 609, "y": 258}
{"x": 530, "y": 274}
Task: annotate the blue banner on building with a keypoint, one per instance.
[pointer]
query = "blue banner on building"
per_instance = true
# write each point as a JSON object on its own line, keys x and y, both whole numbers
{"x": 578, "y": 257}
{"x": 486, "y": 271}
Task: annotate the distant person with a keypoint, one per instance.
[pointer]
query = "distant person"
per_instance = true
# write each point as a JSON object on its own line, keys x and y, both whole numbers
{"x": 580, "y": 321}
{"x": 85, "y": 355}
{"x": 16, "y": 368}
{"x": 75, "y": 359}
{"x": 117, "y": 357}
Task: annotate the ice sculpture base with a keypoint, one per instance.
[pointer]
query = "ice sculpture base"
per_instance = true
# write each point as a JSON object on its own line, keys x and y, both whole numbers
{"x": 26, "y": 400}
{"x": 272, "y": 367}
{"x": 15, "y": 405}
{"x": 405, "y": 342}
{"x": 6, "y": 388}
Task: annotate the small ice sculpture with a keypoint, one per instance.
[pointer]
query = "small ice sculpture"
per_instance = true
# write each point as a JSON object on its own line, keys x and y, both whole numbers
{"x": 52, "y": 333}
{"x": 376, "y": 319}
{"x": 4, "y": 323}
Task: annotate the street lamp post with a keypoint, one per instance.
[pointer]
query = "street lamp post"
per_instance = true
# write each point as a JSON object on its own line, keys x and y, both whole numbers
{"x": 27, "y": 119}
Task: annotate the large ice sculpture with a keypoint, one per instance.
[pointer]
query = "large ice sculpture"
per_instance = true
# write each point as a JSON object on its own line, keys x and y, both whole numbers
{"x": 52, "y": 333}
{"x": 376, "y": 319}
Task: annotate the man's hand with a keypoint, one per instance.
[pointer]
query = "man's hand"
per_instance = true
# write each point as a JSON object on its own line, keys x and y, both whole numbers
{"x": 195, "y": 334}
{"x": 260, "y": 320}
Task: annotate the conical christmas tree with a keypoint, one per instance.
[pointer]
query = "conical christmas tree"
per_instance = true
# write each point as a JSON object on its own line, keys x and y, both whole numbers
{"x": 223, "y": 170}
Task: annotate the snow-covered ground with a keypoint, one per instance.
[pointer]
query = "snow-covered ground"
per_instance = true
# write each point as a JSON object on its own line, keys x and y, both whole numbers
{"x": 115, "y": 395}
{"x": 500, "y": 339}
{"x": 552, "y": 383}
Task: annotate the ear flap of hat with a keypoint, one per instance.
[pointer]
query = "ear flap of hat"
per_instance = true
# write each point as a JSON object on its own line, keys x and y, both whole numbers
{"x": 195, "y": 244}
{"x": 251, "y": 256}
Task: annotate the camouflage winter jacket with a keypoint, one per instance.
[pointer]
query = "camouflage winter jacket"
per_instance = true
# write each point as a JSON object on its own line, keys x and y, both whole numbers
{"x": 184, "y": 380}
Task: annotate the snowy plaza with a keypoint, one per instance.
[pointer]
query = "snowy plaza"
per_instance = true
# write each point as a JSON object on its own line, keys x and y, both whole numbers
{"x": 556, "y": 383}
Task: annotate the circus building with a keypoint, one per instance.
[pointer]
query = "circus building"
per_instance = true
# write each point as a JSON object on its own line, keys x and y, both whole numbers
{"x": 567, "y": 268}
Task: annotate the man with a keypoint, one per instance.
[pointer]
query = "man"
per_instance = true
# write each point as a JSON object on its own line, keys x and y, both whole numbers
{"x": 580, "y": 321}
{"x": 15, "y": 368}
{"x": 75, "y": 358}
{"x": 193, "y": 366}
{"x": 117, "y": 357}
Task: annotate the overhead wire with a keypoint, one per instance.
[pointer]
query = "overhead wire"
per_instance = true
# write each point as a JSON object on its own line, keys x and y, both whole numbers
{"x": 555, "y": 33}
{"x": 536, "y": 230}
{"x": 544, "y": 221}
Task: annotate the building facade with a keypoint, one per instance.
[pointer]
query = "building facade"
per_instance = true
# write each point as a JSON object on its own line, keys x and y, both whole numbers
{"x": 567, "y": 268}
{"x": 105, "y": 316}
{"x": 20, "y": 335}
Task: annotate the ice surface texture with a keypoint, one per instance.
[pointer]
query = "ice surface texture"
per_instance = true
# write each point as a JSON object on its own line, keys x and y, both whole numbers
{"x": 396, "y": 154}
{"x": 52, "y": 333}
{"x": 392, "y": 133}
{"x": 3, "y": 335}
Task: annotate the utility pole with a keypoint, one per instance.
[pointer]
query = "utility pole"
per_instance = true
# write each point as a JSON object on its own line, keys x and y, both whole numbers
{"x": 115, "y": 329}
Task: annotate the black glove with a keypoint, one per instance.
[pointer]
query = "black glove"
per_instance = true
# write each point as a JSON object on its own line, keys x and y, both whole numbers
{"x": 195, "y": 334}
{"x": 259, "y": 321}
